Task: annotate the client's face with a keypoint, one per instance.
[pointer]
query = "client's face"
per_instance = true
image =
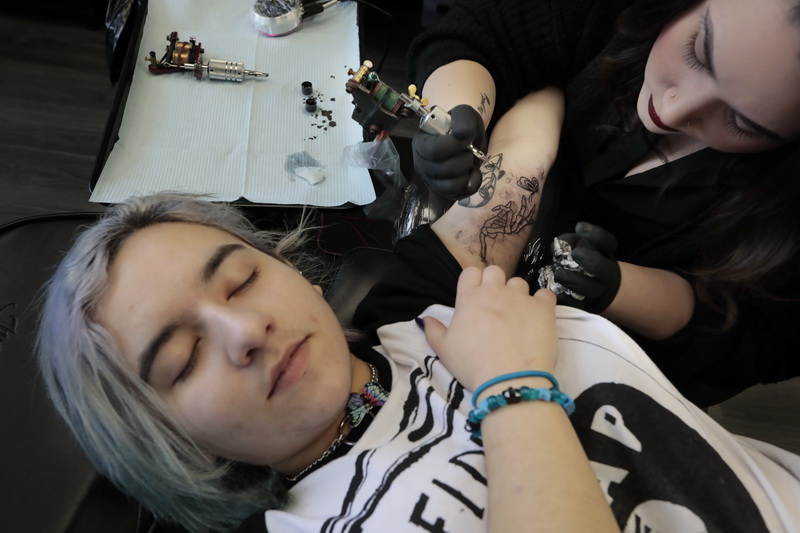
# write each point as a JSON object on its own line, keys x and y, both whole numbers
{"x": 244, "y": 351}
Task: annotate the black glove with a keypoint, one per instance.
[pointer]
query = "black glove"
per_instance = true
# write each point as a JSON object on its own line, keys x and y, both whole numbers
{"x": 444, "y": 162}
{"x": 598, "y": 281}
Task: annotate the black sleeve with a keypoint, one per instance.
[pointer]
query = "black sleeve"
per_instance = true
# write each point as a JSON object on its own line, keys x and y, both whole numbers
{"x": 422, "y": 272}
{"x": 709, "y": 365}
{"x": 525, "y": 44}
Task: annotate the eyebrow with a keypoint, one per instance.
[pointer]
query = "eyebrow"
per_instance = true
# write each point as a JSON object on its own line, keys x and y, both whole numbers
{"x": 708, "y": 51}
{"x": 148, "y": 356}
{"x": 216, "y": 260}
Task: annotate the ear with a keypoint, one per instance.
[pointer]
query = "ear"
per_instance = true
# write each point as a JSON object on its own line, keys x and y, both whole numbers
{"x": 318, "y": 289}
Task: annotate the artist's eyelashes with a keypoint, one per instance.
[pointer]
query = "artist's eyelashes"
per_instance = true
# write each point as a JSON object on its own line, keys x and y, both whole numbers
{"x": 689, "y": 55}
{"x": 694, "y": 62}
{"x": 734, "y": 129}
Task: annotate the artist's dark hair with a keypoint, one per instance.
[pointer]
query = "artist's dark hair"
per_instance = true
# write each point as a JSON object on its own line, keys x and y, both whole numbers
{"x": 120, "y": 422}
{"x": 750, "y": 243}
{"x": 638, "y": 27}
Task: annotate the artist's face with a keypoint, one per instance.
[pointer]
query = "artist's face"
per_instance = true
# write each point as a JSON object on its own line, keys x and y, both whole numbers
{"x": 245, "y": 352}
{"x": 726, "y": 73}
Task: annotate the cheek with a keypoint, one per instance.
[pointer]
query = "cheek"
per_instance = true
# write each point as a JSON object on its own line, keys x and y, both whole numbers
{"x": 210, "y": 413}
{"x": 665, "y": 62}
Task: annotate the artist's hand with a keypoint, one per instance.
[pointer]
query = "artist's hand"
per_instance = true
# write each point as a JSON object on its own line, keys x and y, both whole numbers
{"x": 444, "y": 162}
{"x": 593, "y": 249}
{"x": 497, "y": 328}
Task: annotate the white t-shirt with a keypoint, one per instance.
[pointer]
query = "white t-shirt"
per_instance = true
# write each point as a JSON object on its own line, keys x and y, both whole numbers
{"x": 664, "y": 465}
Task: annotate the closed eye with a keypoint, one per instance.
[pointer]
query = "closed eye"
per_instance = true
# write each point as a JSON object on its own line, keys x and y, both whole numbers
{"x": 690, "y": 56}
{"x": 734, "y": 129}
{"x": 190, "y": 363}
{"x": 247, "y": 283}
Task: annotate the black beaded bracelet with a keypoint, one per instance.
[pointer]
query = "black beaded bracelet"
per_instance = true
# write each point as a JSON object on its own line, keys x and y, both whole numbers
{"x": 511, "y": 396}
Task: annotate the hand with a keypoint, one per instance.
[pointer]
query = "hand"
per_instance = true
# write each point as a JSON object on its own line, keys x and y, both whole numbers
{"x": 444, "y": 162}
{"x": 599, "y": 278}
{"x": 497, "y": 328}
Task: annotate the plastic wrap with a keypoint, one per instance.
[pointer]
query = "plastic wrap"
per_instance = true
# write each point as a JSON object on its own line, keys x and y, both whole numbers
{"x": 562, "y": 257}
{"x": 382, "y": 158}
{"x": 408, "y": 204}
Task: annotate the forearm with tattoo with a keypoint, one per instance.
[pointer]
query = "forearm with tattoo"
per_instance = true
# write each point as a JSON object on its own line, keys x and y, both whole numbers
{"x": 511, "y": 218}
{"x": 507, "y": 219}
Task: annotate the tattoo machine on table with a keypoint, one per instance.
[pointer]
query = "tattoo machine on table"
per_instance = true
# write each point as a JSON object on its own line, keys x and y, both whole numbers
{"x": 378, "y": 107}
{"x": 183, "y": 55}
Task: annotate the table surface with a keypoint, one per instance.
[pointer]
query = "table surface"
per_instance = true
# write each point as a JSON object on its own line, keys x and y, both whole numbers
{"x": 252, "y": 140}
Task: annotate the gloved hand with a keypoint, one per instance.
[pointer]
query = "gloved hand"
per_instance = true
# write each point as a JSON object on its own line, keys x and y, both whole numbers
{"x": 445, "y": 162}
{"x": 599, "y": 277}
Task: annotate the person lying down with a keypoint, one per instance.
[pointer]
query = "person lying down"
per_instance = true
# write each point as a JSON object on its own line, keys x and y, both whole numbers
{"x": 202, "y": 371}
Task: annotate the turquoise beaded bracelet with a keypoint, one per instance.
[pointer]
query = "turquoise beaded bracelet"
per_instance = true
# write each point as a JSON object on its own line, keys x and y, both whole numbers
{"x": 511, "y": 396}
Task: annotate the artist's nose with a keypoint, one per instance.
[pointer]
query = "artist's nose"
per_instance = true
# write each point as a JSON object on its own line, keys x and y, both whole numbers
{"x": 241, "y": 334}
{"x": 690, "y": 103}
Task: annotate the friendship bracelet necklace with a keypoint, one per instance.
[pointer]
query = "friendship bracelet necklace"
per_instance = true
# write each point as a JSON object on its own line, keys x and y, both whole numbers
{"x": 357, "y": 408}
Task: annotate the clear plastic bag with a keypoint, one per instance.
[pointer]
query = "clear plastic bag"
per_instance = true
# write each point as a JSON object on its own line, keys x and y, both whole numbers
{"x": 381, "y": 157}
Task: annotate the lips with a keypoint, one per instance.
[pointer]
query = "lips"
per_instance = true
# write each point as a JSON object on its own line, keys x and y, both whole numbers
{"x": 290, "y": 367}
{"x": 655, "y": 118}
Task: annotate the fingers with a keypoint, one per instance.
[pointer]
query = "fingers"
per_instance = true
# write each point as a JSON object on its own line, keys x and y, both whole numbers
{"x": 438, "y": 148}
{"x": 434, "y": 332}
{"x": 445, "y": 162}
{"x": 470, "y": 277}
{"x": 591, "y": 260}
{"x": 466, "y": 124}
{"x": 598, "y": 238}
{"x": 494, "y": 274}
{"x": 545, "y": 296}
{"x": 570, "y": 238}
{"x": 579, "y": 282}
{"x": 473, "y": 276}
{"x": 446, "y": 166}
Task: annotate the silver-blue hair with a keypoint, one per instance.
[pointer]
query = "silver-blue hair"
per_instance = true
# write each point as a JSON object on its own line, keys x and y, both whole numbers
{"x": 119, "y": 421}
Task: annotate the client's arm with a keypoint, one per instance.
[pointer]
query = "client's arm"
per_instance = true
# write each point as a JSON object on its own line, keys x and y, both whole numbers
{"x": 492, "y": 226}
{"x": 539, "y": 477}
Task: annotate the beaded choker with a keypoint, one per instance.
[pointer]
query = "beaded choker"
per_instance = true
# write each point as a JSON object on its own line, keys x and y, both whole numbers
{"x": 359, "y": 405}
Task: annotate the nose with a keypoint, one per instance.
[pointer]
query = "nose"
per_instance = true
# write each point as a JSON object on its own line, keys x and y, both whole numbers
{"x": 238, "y": 333}
{"x": 691, "y": 102}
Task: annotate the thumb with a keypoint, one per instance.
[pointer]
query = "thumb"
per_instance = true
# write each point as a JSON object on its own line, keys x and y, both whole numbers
{"x": 434, "y": 332}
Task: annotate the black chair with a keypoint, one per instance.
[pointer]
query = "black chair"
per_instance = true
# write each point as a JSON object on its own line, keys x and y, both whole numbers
{"x": 48, "y": 485}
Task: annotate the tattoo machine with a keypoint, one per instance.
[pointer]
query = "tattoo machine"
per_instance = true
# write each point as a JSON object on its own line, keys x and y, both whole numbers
{"x": 181, "y": 55}
{"x": 378, "y": 107}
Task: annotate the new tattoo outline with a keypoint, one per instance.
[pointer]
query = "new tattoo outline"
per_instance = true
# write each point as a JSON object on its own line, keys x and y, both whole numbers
{"x": 510, "y": 219}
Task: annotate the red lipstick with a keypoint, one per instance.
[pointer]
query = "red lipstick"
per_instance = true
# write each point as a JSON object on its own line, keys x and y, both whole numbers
{"x": 655, "y": 118}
